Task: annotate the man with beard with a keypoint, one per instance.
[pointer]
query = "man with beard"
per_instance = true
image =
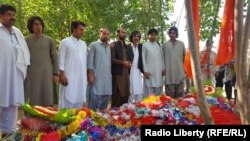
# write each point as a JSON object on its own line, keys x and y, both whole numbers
{"x": 121, "y": 56}
{"x": 174, "y": 56}
{"x": 99, "y": 72}
{"x": 14, "y": 59}
{"x": 73, "y": 68}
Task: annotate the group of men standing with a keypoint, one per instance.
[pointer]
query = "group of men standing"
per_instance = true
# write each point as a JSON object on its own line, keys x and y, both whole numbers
{"x": 29, "y": 66}
{"x": 139, "y": 69}
{"x": 117, "y": 71}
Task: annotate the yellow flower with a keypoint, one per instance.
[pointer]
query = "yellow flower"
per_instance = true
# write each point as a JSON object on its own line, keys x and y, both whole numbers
{"x": 151, "y": 99}
{"x": 38, "y": 138}
{"x": 81, "y": 114}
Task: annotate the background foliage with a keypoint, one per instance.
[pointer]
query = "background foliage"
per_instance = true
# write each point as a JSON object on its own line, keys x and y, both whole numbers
{"x": 138, "y": 15}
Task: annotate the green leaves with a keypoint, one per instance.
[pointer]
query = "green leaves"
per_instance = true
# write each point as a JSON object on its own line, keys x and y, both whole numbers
{"x": 210, "y": 21}
{"x": 63, "y": 116}
{"x": 140, "y": 15}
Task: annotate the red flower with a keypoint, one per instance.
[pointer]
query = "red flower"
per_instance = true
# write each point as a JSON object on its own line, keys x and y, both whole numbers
{"x": 135, "y": 122}
{"x": 140, "y": 104}
{"x": 53, "y": 136}
{"x": 131, "y": 113}
{"x": 221, "y": 116}
{"x": 27, "y": 138}
{"x": 148, "y": 120}
{"x": 165, "y": 98}
{"x": 231, "y": 103}
{"x": 155, "y": 105}
{"x": 32, "y": 123}
{"x": 121, "y": 121}
{"x": 183, "y": 104}
{"x": 167, "y": 122}
{"x": 194, "y": 95}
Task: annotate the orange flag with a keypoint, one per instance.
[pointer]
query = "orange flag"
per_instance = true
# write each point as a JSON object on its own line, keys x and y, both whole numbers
{"x": 196, "y": 17}
{"x": 226, "y": 42}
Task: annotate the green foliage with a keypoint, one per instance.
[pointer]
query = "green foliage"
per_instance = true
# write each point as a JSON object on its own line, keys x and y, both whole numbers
{"x": 219, "y": 91}
{"x": 208, "y": 82}
{"x": 192, "y": 89}
{"x": 208, "y": 12}
{"x": 138, "y": 15}
{"x": 64, "y": 116}
{"x": 205, "y": 83}
{"x": 27, "y": 108}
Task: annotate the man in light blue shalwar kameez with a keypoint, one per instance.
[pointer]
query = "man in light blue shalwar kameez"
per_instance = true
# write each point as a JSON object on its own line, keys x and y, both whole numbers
{"x": 99, "y": 72}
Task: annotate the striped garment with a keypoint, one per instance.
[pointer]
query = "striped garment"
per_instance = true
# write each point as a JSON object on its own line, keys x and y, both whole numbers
{"x": 175, "y": 90}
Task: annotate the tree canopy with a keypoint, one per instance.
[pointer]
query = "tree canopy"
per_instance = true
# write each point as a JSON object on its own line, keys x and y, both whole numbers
{"x": 133, "y": 15}
{"x": 209, "y": 18}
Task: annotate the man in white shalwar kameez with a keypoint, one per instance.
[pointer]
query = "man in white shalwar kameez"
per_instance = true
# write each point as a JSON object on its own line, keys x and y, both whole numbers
{"x": 14, "y": 59}
{"x": 136, "y": 79}
{"x": 73, "y": 68}
{"x": 153, "y": 65}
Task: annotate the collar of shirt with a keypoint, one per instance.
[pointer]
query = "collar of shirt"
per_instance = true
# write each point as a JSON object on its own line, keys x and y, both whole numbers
{"x": 33, "y": 36}
{"x": 133, "y": 46}
{"x": 74, "y": 38}
{"x": 1, "y": 26}
{"x": 155, "y": 44}
{"x": 121, "y": 42}
{"x": 173, "y": 43}
{"x": 151, "y": 42}
{"x": 102, "y": 43}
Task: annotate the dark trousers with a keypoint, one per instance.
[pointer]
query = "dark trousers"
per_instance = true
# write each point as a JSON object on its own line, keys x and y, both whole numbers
{"x": 219, "y": 84}
{"x": 228, "y": 89}
{"x": 235, "y": 95}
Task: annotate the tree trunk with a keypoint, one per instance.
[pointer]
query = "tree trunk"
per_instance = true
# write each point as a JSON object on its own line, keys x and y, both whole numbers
{"x": 241, "y": 46}
{"x": 196, "y": 69}
{"x": 162, "y": 22}
{"x": 238, "y": 18}
{"x": 244, "y": 74}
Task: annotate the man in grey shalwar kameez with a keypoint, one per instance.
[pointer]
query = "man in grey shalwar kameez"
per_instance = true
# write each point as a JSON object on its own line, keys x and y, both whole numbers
{"x": 99, "y": 72}
{"x": 153, "y": 64}
{"x": 174, "y": 56}
{"x": 43, "y": 69}
{"x": 14, "y": 59}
